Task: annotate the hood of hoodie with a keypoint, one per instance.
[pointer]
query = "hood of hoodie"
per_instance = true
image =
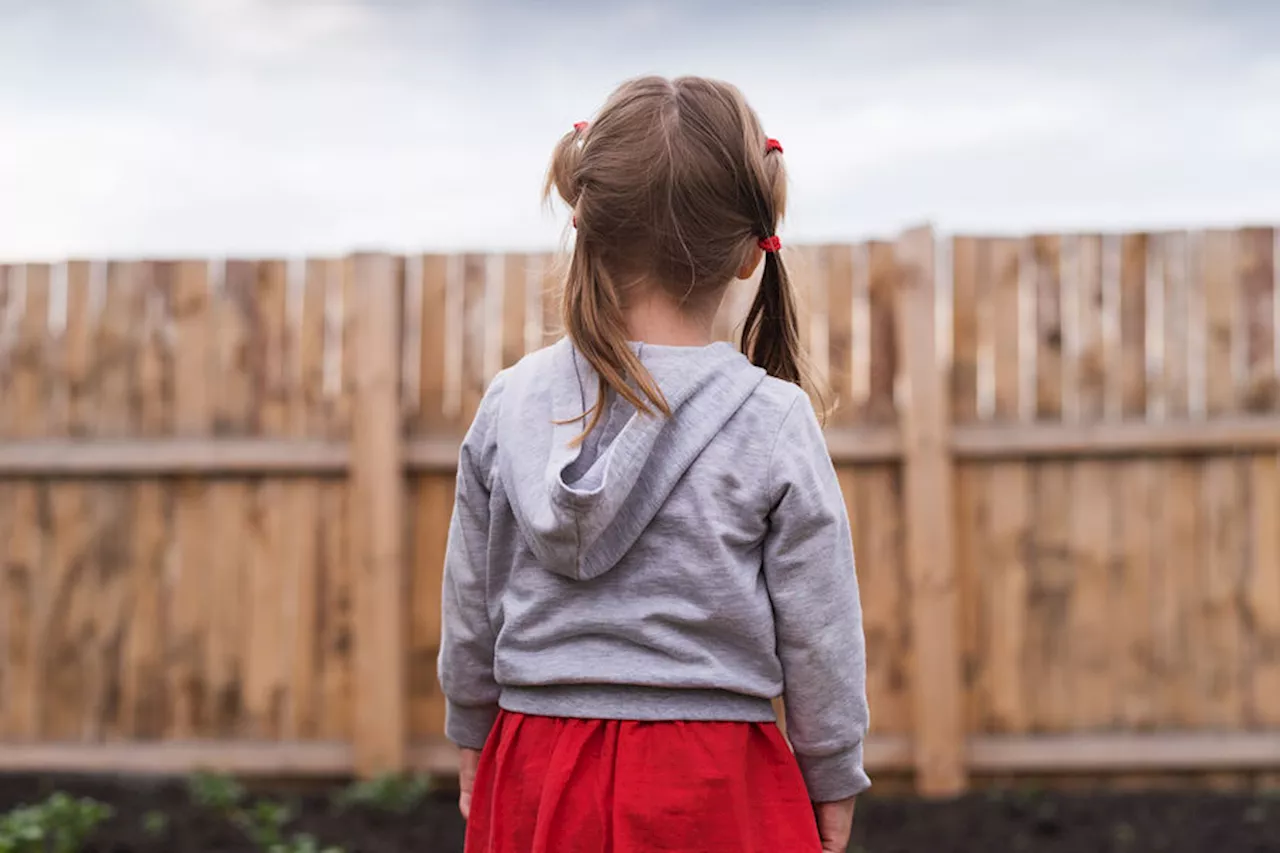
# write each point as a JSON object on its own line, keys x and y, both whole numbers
{"x": 581, "y": 507}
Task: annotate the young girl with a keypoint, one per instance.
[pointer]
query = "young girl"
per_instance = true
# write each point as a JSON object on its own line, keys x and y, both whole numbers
{"x": 649, "y": 542}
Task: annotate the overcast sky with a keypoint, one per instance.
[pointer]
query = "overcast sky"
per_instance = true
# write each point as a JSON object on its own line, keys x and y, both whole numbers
{"x": 166, "y": 127}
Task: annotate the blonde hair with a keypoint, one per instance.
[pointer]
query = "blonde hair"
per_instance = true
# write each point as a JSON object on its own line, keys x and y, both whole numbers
{"x": 673, "y": 183}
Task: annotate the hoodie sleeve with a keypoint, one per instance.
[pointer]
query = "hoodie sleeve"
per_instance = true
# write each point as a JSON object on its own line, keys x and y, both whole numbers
{"x": 809, "y": 569}
{"x": 467, "y": 636}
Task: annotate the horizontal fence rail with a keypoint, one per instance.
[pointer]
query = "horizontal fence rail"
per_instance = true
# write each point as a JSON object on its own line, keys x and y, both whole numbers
{"x": 171, "y": 457}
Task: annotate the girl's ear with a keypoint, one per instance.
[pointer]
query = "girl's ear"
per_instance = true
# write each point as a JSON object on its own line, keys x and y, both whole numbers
{"x": 752, "y": 262}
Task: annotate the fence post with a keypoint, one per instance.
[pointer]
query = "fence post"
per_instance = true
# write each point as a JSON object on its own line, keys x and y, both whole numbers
{"x": 375, "y": 519}
{"x": 929, "y": 512}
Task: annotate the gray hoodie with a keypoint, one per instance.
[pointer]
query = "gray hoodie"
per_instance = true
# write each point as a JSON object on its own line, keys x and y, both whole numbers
{"x": 683, "y": 568}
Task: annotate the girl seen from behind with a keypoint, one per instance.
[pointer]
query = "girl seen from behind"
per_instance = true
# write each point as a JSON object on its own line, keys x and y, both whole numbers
{"x": 649, "y": 541}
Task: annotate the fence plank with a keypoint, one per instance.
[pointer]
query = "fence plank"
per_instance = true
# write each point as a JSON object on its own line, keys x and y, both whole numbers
{"x": 1177, "y": 326}
{"x": 265, "y": 634}
{"x": 143, "y": 662}
{"x": 964, "y": 323}
{"x": 1133, "y": 325}
{"x": 1003, "y": 263}
{"x": 9, "y": 319}
{"x": 1045, "y": 255}
{"x": 231, "y": 503}
{"x": 553, "y": 270}
{"x": 431, "y": 369}
{"x": 432, "y": 497}
{"x": 1176, "y": 635}
{"x": 10, "y": 682}
{"x": 1050, "y": 576}
{"x": 25, "y": 581}
{"x": 336, "y": 568}
{"x": 876, "y": 493}
{"x": 475, "y": 324}
{"x": 1258, "y": 280}
{"x": 1222, "y": 674}
{"x": 118, "y": 342}
{"x": 1091, "y": 354}
{"x": 883, "y": 291}
{"x": 192, "y": 582}
{"x": 1222, "y": 318}
{"x": 1264, "y": 592}
{"x": 1006, "y": 590}
{"x": 1131, "y": 610}
{"x": 840, "y": 334}
{"x": 64, "y": 668}
{"x": 937, "y": 683}
{"x": 513, "y": 308}
{"x": 376, "y": 523}
{"x": 434, "y": 506}
{"x": 303, "y": 581}
{"x": 972, "y": 537}
{"x": 1221, "y": 572}
{"x": 814, "y": 318}
{"x": 1089, "y": 645}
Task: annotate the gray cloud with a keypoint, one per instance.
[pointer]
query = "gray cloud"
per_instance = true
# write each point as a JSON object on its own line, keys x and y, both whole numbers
{"x": 276, "y": 126}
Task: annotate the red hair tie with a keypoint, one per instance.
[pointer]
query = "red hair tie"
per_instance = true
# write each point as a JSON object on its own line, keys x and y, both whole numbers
{"x": 770, "y": 244}
{"x": 579, "y": 126}
{"x": 772, "y": 145}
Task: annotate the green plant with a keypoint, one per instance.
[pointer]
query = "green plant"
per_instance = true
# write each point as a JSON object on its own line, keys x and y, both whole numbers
{"x": 265, "y": 822}
{"x": 60, "y": 824}
{"x": 302, "y": 843}
{"x": 393, "y": 792}
{"x": 1124, "y": 835}
{"x": 22, "y": 830}
{"x": 216, "y": 791}
{"x": 155, "y": 824}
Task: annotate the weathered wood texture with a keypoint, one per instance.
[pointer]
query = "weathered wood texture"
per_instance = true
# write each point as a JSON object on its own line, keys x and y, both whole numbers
{"x": 1060, "y": 454}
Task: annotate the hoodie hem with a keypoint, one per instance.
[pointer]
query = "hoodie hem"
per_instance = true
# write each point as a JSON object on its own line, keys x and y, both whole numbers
{"x": 631, "y": 702}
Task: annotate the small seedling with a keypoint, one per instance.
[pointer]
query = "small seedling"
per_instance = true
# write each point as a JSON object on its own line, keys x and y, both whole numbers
{"x": 155, "y": 824}
{"x": 265, "y": 822}
{"x": 302, "y": 843}
{"x": 22, "y": 831}
{"x": 61, "y": 824}
{"x": 1124, "y": 835}
{"x": 215, "y": 791}
{"x": 392, "y": 792}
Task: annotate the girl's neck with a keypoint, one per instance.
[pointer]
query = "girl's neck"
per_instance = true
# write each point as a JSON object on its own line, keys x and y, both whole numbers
{"x": 657, "y": 319}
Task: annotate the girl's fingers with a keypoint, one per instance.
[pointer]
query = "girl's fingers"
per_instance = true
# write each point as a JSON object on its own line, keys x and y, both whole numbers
{"x": 468, "y": 762}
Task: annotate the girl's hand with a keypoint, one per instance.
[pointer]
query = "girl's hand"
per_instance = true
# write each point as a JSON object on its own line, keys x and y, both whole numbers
{"x": 835, "y": 823}
{"x": 468, "y": 760}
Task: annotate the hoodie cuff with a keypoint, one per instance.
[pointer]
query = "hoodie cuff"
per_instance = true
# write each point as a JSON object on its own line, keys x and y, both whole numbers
{"x": 468, "y": 725}
{"x": 834, "y": 777}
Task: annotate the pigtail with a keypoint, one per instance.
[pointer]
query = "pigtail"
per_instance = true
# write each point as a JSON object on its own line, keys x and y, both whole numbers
{"x": 564, "y": 175}
{"x": 771, "y": 333}
{"x": 591, "y": 310}
{"x": 594, "y": 320}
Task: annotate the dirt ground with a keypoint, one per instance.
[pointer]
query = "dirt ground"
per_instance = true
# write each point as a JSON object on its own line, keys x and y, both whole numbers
{"x": 989, "y": 822}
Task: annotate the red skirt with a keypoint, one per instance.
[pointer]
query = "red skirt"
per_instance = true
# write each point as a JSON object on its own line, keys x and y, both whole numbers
{"x": 552, "y": 785}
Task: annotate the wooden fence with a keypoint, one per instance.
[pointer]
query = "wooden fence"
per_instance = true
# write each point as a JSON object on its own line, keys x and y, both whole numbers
{"x": 1061, "y": 455}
